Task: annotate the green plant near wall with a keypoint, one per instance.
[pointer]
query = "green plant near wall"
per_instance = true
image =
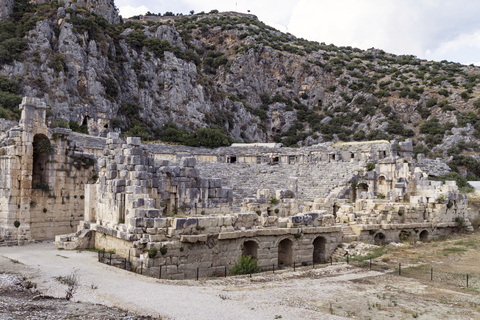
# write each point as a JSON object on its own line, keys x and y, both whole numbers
{"x": 152, "y": 253}
{"x": 245, "y": 265}
{"x": 163, "y": 250}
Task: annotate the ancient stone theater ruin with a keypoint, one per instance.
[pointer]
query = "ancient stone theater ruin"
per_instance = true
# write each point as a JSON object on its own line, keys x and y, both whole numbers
{"x": 203, "y": 208}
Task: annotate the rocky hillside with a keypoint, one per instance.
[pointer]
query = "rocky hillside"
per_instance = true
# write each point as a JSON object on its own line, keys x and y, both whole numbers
{"x": 167, "y": 77}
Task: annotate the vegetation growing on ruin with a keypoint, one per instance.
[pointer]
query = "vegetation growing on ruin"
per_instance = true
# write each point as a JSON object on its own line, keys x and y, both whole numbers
{"x": 245, "y": 265}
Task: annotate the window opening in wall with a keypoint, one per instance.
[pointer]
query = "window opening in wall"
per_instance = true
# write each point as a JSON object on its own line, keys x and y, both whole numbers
{"x": 250, "y": 248}
{"x": 259, "y": 160}
{"x": 276, "y": 160}
{"x": 233, "y": 159}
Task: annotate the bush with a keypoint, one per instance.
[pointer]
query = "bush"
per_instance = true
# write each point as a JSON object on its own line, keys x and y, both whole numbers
{"x": 245, "y": 265}
{"x": 163, "y": 250}
{"x": 57, "y": 63}
{"x": 370, "y": 166}
{"x": 152, "y": 253}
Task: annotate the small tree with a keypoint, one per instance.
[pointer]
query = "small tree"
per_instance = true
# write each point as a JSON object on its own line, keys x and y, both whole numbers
{"x": 245, "y": 265}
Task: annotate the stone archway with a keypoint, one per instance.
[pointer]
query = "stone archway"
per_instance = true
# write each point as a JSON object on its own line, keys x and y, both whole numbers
{"x": 382, "y": 185}
{"x": 379, "y": 239}
{"x": 361, "y": 187}
{"x": 285, "y": 252}
{"x": 424, "y": 236}
{"x": 319, "y": 245}
{"x": 42, "y": 149}
{"x": 250, "y": 248}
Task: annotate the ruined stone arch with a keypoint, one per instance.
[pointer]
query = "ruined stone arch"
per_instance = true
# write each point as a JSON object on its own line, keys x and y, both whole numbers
{"x": 424, "y": 236}
{"x": 382, "y": 185}
{"x": 379, "y": 239}
{"x": 361, "y": 187}
{"x": 319, "y": 249}
{"x": 42, "y": 149}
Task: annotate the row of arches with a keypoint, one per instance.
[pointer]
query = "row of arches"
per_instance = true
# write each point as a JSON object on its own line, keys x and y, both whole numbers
{"x": 379, "y": 238}
{"x": 285, "y": 250}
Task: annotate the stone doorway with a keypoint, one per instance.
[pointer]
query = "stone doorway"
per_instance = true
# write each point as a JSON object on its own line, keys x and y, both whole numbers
{"x": 42, "y": 149}
{"x": 285, "y": 252}
{"x": 319, "y": 249}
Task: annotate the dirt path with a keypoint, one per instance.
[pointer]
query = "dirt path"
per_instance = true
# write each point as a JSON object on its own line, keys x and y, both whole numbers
{"x": 333, "y": 292}
{"x": 113, "y": 287}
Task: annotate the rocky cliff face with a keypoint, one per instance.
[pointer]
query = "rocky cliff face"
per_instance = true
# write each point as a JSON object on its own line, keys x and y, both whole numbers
{"x": 230, "y": 71}
{"x": 6, "y": 8}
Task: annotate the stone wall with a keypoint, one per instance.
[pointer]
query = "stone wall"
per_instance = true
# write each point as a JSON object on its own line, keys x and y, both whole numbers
{"x": 42, "y": 179}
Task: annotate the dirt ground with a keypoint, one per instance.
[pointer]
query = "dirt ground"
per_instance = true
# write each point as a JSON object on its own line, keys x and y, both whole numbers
{"x": 327, "y": 292}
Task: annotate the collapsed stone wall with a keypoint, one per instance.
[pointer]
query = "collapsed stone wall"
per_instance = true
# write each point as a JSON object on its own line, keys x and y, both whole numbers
{"x": 133, "y": 188}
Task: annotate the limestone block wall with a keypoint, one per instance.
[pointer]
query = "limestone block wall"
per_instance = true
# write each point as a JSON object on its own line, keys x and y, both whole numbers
{"x": 42, "y": 179}
{"x": 215, "y": 242}
{"x": 134, "y": 188}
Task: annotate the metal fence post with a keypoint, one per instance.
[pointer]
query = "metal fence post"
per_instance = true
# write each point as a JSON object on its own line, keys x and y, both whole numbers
{"x": 225, "y": 272}
{"x": 399, "y": 269}
{"x": 250, "y": 272}
{"x": 141, "y": 268}
{"x": 273, "y": 267}
{"x": 431, "y": 275}
{"x": 160, "y": 273}
{"x": 125, "y": 263}
{"x": 110, "y": 258}
{"x": 197, "y": 273}
{"x": 370, "y": 263}
{"x": 348, "y": 258}
{"x": 331, "y": 261}
{"x": 293, "y": 265}
{"x": 467, "y": 280}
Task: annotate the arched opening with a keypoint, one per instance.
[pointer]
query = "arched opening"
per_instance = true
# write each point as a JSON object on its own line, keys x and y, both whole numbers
{"x": 382, "y": 185}
{"x": 319, "y": 249}
{"x": 42, "y": 149}
{"x": 361, "y": 187}
{"x": 250, "y": 248}
{"x": 285, "y": 252}
{"x": 424, "y": 236}
{"x": 379, "y": 239}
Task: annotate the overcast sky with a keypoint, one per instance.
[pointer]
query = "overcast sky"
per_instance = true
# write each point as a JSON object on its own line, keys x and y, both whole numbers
{"x": 429, "y": 29}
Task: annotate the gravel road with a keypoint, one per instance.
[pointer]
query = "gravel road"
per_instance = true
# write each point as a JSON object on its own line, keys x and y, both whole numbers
{"x": 262, "y": 297}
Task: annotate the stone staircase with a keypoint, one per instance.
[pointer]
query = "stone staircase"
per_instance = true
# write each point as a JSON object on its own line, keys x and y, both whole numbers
{"x": 348, "y": 234}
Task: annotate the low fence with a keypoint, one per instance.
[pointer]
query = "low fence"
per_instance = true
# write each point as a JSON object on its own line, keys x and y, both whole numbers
{"x": 419, "y": 272}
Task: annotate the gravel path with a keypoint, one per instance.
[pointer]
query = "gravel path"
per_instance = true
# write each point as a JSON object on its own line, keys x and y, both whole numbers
{"x": 262, "y": 297}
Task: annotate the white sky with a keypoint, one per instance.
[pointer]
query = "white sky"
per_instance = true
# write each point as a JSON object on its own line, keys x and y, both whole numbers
{"x": 429, "y": 29}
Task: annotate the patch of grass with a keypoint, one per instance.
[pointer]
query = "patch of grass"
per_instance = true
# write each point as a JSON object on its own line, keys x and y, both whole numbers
{"x": 62, "y": 256}
{"x": 454, "y": 249}
{"x": 375, "y": 254}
